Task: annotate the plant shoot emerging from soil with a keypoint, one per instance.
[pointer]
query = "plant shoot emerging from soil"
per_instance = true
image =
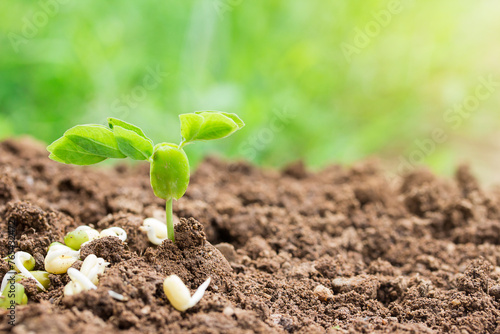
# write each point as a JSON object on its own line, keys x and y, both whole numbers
{"x": 169, "y": 165}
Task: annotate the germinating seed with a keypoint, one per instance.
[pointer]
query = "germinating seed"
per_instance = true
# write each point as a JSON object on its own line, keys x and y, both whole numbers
{"x": 155, "y": 229}
{"x": 20, "y": 258}
{"x": 178, "y": 294}
{"x": 59, "y": 258}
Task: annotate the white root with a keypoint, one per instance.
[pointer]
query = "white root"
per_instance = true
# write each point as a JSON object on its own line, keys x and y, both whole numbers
{"x": 19, "y": 258}
{"x": 198, "y": 294}
{"x": 156, "y": 230}
{"x": 87, "y": 277}
{"x": 79, "y": 282}
{"x": 8, "y": 277}
{"x": 117, "y": 296}
{"x": 178, "y": 294}
{"x": 92, "y": 266}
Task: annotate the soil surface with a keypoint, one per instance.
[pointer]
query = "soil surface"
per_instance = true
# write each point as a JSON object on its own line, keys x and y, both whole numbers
{"x": 337, "y": 251}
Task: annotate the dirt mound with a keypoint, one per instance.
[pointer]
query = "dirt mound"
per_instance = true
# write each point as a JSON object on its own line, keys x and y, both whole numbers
{"x": 340, "y": 250}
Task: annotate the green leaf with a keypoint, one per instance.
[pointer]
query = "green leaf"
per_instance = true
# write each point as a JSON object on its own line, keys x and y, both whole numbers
{"x": 211, "y": 125}
{"x": 169, "y": 171}
{"x": 65, "y": 151}
{"x": 132, "y": 144}
{"x": 112, "y": 122}
{"x": 190, "y": 126}
{"x": 95, "y": 139}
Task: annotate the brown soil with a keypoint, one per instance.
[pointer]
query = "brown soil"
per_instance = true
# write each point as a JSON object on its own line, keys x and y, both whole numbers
{"x": 341, "y": 250}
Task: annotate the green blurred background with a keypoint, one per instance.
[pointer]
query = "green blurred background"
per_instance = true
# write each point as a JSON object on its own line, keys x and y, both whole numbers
{"x": 326, "y": 81}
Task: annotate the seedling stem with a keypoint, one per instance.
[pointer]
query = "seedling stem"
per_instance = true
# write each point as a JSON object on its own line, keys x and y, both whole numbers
{"x": 170, "y": 220}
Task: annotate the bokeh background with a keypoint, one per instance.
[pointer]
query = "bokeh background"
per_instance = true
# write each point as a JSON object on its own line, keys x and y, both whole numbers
{"x": 324, "y": 81}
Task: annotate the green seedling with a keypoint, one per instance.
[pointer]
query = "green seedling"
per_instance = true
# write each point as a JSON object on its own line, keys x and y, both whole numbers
{"x": 169, "y": 165}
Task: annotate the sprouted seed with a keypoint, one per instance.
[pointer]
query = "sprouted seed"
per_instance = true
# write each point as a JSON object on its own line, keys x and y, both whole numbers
{"x": 87, "y": 277}
{"x": 81, "y": 235}
{"x": 156, "y": 230}
{"x": 79, "y": 282}
{"x": 59, "y": 258}
{"x": 114, "y": 232}
{"x": 93, "y": 266}
{"x": 28, "y": 263}
{"x": 178, "y": 294}
{"x": 22, "y": 258}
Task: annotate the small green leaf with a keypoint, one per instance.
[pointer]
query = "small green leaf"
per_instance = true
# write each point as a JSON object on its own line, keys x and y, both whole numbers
{"x": 190, "y": 126}
{"x": 169, "y": 171}
{"x": 132, "y": 144}
{"x": 112, "y": 122}
{"x": 95, "y": 139}
{"x": 215, "y": 126}
{"x": 211, "y": 125}
{"x": 65, "y": 151}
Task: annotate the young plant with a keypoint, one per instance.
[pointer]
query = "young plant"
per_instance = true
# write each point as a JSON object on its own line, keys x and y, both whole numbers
{"x": 169, "y": 169}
